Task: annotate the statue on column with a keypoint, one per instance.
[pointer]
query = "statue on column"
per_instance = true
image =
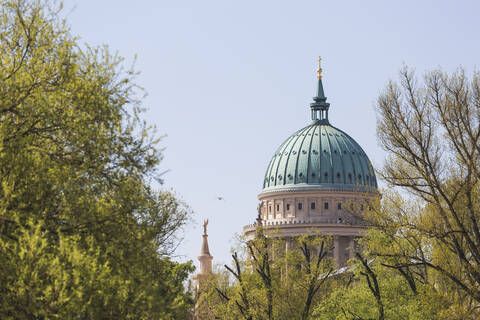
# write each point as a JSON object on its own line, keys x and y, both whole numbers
{"x": 201, "y": 310}
{"x": 205, "y": 223}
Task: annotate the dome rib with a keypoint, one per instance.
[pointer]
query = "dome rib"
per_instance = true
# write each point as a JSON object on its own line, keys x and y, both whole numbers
{"x": 338, "y": 160}
{"x": 354, "y": 161}
{"x": 278, "y": 163}
{"x": 299, "y": 171}
{"x": 331, "y": 168}
{"x": 275, "y": 161}
{"x": 291, "y": 151}
{"x": 312, "y": 167}
{"x": 308, "y": 152}
{"x": 325, "y": 161}
{"x": 351, "y": 168}
{"x": 293, "y": 164}
{"x": 356, "y": 158}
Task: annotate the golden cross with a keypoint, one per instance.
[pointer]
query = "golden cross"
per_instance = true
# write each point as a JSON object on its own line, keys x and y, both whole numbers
{"x": 319, "y": 71}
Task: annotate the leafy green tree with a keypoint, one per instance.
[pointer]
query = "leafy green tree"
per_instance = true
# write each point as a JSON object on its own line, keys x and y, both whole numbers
{"x": 373, "y": 291}
{"x": 420, "y": 257}
{"x": 82, "y": 232}
{"x": 270, "y": 281}
{"x": 431, "y": 130}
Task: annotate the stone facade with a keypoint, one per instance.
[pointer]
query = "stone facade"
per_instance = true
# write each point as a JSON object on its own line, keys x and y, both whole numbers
{"x": 332, "y": 213}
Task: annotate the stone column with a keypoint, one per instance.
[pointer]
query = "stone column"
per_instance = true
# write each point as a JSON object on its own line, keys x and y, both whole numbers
{"x": 201, "y": 310}
{"x": 336, "y": 249}
{"x": 351, "y": 245}
{"x": 205, "y": 260}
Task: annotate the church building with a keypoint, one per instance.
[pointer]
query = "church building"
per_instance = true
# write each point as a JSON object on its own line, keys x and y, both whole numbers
{"x": 318, "y": 180}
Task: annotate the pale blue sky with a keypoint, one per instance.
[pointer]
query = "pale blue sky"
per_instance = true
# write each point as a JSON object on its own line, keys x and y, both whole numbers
{"x": 228, "y": 81}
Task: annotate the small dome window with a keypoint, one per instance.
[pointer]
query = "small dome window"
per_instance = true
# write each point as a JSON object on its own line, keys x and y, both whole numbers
{"x": 294, "y": 152}
{"x": 335, "y": 151}
{"x": 300, "y": 174}
{"x": 289, "y": 176}
{"x": 313, "y": 174}
{"x": 353, "y": 152}
{"x": 338, "y": 175}
{"x": 326, "y": 174}
{"x": 304, "y": 151}
{"x": 280, "y": 177}
{"x": 271, "y": 178}
{"x": 344, "y": 151}
{"x": 359, "y": 176}
{"x": 325, "y": 150}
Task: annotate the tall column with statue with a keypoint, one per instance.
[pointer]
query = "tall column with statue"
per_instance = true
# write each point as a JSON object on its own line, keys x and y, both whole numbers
{"x": 199, "y": 279}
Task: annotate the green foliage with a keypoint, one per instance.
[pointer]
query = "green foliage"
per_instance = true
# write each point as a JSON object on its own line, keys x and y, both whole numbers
{"x": 273, "y": 283}
{"x": 351, "y": 297}
{"x": 422, "y": 247}
{"x": 82, "y": 233}
{"x": 420, "y": 258}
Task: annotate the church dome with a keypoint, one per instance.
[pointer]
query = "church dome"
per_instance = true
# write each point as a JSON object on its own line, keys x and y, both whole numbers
{"x": 320, "y": 157}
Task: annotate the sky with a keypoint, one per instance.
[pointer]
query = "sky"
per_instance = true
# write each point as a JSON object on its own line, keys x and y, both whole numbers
{"x": 229, "y": 81}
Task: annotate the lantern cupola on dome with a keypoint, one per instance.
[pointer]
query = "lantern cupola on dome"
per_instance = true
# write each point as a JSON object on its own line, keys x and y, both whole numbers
{"x": 320, "y": 106}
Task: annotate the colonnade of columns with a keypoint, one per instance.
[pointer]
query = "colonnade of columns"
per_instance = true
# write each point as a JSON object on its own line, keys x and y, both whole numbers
{"x": 340, "y": 253}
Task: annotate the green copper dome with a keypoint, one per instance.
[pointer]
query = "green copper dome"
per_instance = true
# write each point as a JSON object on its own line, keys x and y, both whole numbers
{"x": 320, "y": 157}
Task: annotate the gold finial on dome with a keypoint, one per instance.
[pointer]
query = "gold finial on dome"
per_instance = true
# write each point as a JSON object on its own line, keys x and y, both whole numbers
{"x": 319, "y": 71}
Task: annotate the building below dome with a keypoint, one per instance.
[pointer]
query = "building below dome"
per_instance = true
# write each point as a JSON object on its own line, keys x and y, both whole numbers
{"x": 319, "y": 180}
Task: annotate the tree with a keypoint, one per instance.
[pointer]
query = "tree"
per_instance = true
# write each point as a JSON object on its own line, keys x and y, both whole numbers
{"x": 82, "y": 232}
{"x": 272, "y": 282}
{"x": 420, "y": 257}
{"x": 370, "y": 291}
{"x": 429, "y": 232}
